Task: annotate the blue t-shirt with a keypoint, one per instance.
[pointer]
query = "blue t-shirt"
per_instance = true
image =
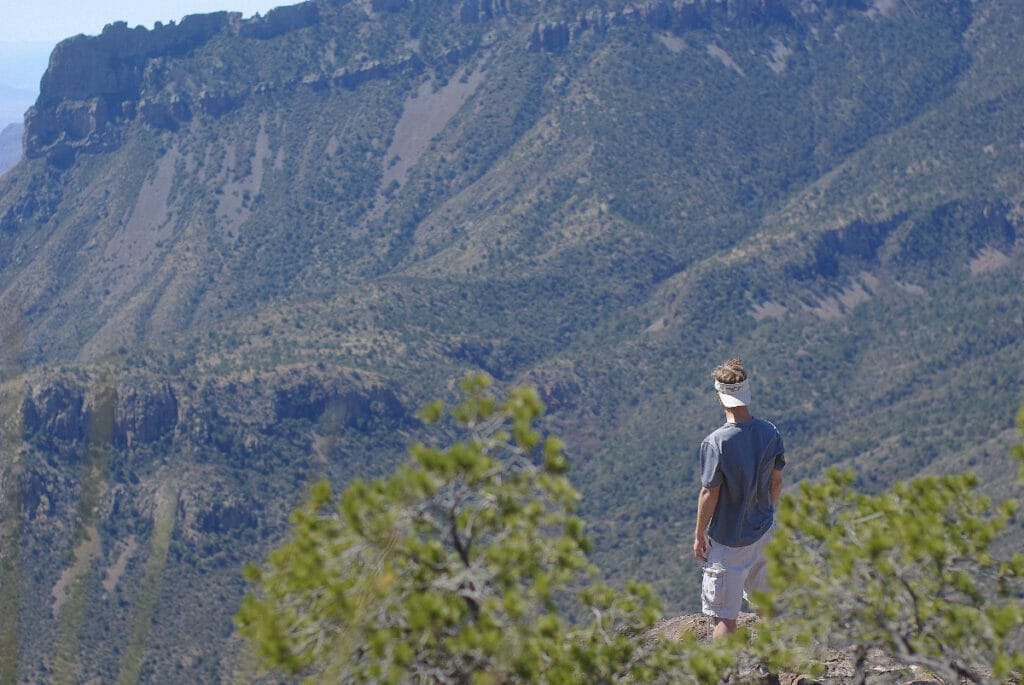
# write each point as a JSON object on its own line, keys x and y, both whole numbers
{"x": 740, "y": 458}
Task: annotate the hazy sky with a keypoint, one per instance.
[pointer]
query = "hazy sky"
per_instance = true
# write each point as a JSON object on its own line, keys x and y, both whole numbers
{"x": 52, "y": 20}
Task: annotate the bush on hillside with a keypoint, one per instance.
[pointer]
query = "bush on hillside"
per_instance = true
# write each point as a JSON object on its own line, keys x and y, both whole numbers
{"x": 909, "y": 572}
{"x": 466, "y": 565}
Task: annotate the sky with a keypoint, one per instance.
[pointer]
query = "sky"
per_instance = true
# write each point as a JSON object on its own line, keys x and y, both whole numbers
{"x": 49, "y": 21}
{"x": 30, "y": 28}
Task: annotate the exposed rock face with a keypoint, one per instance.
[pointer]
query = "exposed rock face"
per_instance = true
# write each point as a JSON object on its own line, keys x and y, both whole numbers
{"x": 706, "y": 10}
{"x": 550, "y": 37}
{"x": 558, "y": 385}
{"x": 137, "y": 411}
{"x": 472, "y": 11}
{"x": 310, "y": 398}
{"x": 219, "y": 102}
{"x": 95, "y": 82}
{"x": 112, "y": 65}
{"x": 146, "y": 411}
{"x": 39, "y": 493}
{"x": 662, "y": 15}
{"x": 165, "y": 113}
{"x": 280, "y": 20}
{"x": 56, "y": 410}
{"x": 352, "y": 78}
{"x": 228, "y": 516}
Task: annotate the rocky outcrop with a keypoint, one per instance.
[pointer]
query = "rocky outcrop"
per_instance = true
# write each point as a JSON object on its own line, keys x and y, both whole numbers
{"x": 280, "y": 20}
{"x": 311, "y": 398}
{"x": 473, "y": 11}
{"x": 559, "y": 385}
{"x": 662, "y": 15}
{"x": 71, "y": 124}
{"x": 77, "y": 410}
{"x": 209, "y": 507}
{"x": 96, "y": 83}
{"x": 218, "y": 102}
{"x": 146, "y": 411}
{"x": 55, "y": 410}
{"x": 550, "y": 37}
{"x": 111, "y": 66}
{"x": 353, "y": 77}
{"x": 666, "y": 15}
{"x": 167, "y": 113}
{"x": 39, "y": 493}
{"x": 93, "y": 83}
{"x": 229, "y": 515}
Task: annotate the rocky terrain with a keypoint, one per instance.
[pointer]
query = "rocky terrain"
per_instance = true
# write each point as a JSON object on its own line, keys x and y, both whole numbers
{"x": 10, "y": 146}
{"x": 838, "y": 667}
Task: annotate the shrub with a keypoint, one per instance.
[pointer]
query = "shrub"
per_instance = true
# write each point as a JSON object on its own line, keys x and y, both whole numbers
{"x": 907, "y": 571}
{"x": 466, "y": 565}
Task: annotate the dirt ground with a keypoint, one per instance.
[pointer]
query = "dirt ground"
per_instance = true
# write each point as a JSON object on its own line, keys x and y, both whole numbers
{"x": 839, "y": 666}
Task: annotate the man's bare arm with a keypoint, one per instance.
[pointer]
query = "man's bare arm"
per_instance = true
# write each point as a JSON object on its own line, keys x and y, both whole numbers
{"x": 706, "y": 503}
{"x": 775, "y": 487}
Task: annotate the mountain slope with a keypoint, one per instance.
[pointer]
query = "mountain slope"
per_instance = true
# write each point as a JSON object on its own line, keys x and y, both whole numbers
{"x": 240, "y": 253}
{"x": 10, "y": 146}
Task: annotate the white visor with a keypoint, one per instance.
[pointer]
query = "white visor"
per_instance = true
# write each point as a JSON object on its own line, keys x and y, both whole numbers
{"x": 734, "y": 394}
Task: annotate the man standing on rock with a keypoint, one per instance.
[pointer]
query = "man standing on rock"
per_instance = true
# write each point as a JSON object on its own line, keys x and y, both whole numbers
{"x": 741, "y": 480}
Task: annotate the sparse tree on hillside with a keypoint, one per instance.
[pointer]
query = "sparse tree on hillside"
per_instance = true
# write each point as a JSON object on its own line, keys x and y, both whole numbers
{"x": 464, "y": 566}
{"x": 468, "y": 566}
{"x": 909, "y": 571}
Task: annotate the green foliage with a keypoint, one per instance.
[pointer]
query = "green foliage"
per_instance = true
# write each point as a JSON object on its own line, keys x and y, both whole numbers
{"x": 907, "y": 571}
{"x": 466, "y": 565}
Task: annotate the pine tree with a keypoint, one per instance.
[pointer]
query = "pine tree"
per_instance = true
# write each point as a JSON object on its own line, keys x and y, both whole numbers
{"x": 909, "y": 571}
{"x": 467, "y": 565}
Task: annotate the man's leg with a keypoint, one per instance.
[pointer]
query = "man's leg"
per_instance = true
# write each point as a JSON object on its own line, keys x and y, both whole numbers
{"x": 757, "y": 575}
{"x": 723, "y": 628}
{"x": 722, "y": 590}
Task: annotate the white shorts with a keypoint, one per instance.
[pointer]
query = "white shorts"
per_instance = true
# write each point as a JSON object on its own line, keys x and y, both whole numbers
{"x": 732, "y": 574}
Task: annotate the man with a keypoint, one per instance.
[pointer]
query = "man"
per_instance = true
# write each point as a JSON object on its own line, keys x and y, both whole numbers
{"x": 741, "y": 480}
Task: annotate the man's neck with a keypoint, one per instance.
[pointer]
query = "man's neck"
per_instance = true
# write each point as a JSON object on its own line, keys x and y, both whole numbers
{"x": 737, "y": 414}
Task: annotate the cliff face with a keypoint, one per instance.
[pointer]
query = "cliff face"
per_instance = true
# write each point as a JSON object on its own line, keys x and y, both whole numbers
{"x": 129, "y": 470}
{"x": 137, "y": 411}
{"x": 680, "y": 16}
{"x": 94, "y": 83}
